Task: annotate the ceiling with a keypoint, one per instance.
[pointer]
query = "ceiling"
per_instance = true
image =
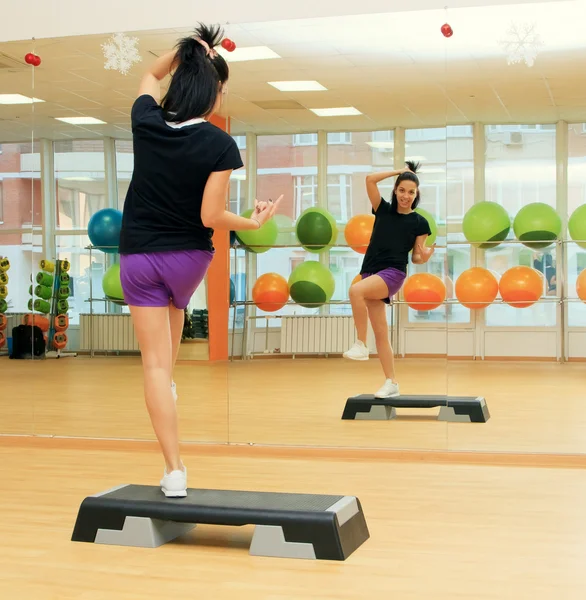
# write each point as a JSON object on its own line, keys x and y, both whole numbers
{"x": 396, "y": 68}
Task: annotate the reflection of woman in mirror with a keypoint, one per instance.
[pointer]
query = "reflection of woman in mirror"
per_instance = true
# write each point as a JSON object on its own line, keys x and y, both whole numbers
{"x": 397, "y": 230}
{"x": 176, "y": 198}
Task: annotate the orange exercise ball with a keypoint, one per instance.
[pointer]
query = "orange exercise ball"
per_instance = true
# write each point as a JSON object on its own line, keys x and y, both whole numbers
{"x": 356, "y": 279}
{"x": 358, "y": 231}
{"x": 476, "y": 288}
{"x": 424, "y": 291}
{"x": 521, "y": 287}
{"x": 581, "y": 285}
{"x": 270, "y": 292}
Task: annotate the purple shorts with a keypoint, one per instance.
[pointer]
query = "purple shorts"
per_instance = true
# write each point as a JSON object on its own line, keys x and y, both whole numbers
{"x": 392, "y": 277}
{"x": 158, "y": 278}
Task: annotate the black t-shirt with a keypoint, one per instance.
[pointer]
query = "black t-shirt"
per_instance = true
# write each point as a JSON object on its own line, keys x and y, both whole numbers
{"x": 162, "y": 210}
{"x": 393, "y": 237}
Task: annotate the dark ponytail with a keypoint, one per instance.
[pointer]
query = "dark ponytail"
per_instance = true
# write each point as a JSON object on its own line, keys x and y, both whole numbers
{"x": 196, "y": 80}
{"x": 410, "y": 175}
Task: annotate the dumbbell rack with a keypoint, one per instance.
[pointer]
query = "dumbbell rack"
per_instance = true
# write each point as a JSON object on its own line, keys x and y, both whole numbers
{"x": 55, "y": 312}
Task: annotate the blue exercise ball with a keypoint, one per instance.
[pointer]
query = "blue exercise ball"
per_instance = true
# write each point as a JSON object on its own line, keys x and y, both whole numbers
{"x": 104, "y": 230}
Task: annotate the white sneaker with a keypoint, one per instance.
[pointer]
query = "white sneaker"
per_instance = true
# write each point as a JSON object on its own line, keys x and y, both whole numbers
{"x": 174, "y": 391}
{"x": 174, "y": 484}
{"x": 389, "y": 390}
{"x": 358, "y": 351}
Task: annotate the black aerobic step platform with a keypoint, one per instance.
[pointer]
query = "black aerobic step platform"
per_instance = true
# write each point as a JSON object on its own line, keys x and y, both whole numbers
{"x": 462, "y": 409}
{"x": 307, "y": 526}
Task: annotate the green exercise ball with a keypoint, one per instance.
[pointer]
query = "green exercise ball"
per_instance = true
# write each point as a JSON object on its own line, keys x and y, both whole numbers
{"x": 486, "y": 224}
{"x": 432, "y": 225}
{"x": 537, "y": 225}
{"x": 577, "y": 226}
{"x": 316, "y": 229}
{"x": 311, "y": 284}
{"x": 258, "y": 240}
{"x": 111, "y": 284}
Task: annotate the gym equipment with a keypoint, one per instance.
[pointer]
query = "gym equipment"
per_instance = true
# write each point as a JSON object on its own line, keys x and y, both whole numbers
{"x": 581, "y": 285}
{"x": 521, "y": 286}
{"x": 4, "y": 265}
{"x": 61, "y": 323}
{"x": 258, "y": 240}
{"x": 577, "y": 226}
{"x": 311, "y": 284}
{"x": 3, "y": 291}
{"x": 432, "y": 225}
{"x": 486, "y": 224}
{"x": 3, "y": 278}
{"x": 270, "y": 292}
{"x": 63, "y": 292}
{"x": 3, "y": 305}
{"x": 316, "y": 229}
{"x": 60, "y": 340}
{"x": 41, "y": 322}
{"x": 44, "y": 279}
{"x": 476, "y": 288}
{"x": 111, "y": 284}
{"x": 3, "y": 322}
{"x": 47, "y": 265}
{"x": 2, "y": 339}
{"x": 309, "y": 526}
{"x": 424, "y": 291}
{"x": 104, "y": 230}
{"x": 465, "y": 409}
{"x": 44, "y": 292}
{"x": 537, "y": 225}
{"x": 62, "y": 306}
{"x": 358, "y": 232}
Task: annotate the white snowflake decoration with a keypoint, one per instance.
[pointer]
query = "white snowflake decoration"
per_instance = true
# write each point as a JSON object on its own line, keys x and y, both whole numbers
{"x": 121, "y": 53}
{"x": 521, "y": 43}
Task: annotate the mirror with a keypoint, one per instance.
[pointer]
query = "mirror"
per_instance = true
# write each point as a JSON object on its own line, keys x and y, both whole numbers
{"x": 292, "y": 316}
{"x": 79, "y": 171}
{"x": 20, "y": 215}
{"x": 516, "y": 214}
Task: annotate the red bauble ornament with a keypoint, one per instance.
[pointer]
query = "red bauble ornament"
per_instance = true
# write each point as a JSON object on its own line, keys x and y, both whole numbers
{"x": 228, "y": 45}
{"x": 29, "y": 59}
{"x": 37, "y": 61}
{"x": 447, "y": 30}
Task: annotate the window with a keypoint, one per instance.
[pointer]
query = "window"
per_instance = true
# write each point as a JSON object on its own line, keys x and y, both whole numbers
{"x": 289, "y": 169}
{"x": 519, "y": 170}
{"x": 81, "y": 186}
{"x": 124, "y": 168}
{"x": 20, "y": 187}
{"x": 576, "y": 256}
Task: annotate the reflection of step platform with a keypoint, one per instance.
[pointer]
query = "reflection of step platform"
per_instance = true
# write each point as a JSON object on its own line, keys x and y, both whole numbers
{"x": 287, "y": 525}
{"x": 461, "y": 409}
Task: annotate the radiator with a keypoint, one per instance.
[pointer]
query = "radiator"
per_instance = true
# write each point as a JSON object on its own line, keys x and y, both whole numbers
{"x": 319, "y": 334}
{"x": 107, "y": 333}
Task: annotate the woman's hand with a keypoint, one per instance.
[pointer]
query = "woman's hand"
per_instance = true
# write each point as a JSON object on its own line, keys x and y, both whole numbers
{"x": 263, "y": 211}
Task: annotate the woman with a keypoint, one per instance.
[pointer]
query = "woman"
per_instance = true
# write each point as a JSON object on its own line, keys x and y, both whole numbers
{"x": 398, "y": 229}
{"x": 176, "y": 198}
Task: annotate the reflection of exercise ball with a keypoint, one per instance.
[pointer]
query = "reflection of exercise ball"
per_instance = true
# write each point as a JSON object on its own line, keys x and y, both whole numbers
{"x": 537, "y": 225}
{"x": 358, "y": 231}
{"x": 424, "y": 291}
{"x": 476, "y": 288}
{"x": 432, "y": 225}
{"x": 486, "y": 224}
{"x": 111, "y": 284}
{"x": 581, "y": 285}
{"x": 311, "y": 284}
{"x": 104, "y": 230}
{"x": 286, "y": 235}
{"x": 521, "y": 286}
{"x": 577, "y": 226}
{"x": 258, "y": 240}
{"x": 316, "y": 229}
{"x": 270, "y": 292}
{"x": 232, "y": 292}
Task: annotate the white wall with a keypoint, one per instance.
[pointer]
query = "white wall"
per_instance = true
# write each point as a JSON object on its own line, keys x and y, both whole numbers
{"x": 58, "y": 18}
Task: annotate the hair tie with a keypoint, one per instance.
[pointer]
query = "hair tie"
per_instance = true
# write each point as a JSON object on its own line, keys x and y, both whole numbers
{"x": 209, "y": 51}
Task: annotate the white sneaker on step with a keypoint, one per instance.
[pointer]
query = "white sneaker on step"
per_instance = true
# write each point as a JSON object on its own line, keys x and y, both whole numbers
{"x": 357, "y": 352}
{"x": 174, "y": 484}
{"x": 174, "y": 391}
{"x": 388, "y": 390}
